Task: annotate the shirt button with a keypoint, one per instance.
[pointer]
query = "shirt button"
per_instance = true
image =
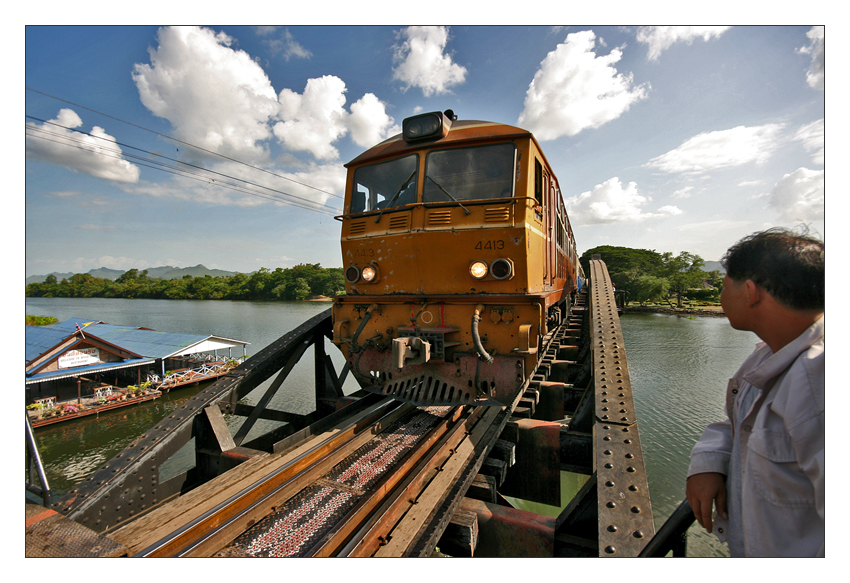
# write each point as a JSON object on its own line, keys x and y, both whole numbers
{"x": 734, "y": 391}
{"x": 747, "y": 428}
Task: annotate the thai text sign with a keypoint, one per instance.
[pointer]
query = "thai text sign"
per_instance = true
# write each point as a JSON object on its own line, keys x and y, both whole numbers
{"x": 79, "y": 357}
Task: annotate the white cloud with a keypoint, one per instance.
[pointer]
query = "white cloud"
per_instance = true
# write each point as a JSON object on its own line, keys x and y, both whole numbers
{"x": 660, "y": 38}
{"x": 286, "y": 45}
{"x": 815, "y": 74}
{"x": 574, "y": 89}
{"x": 611, "y": 202}
{"x": 799, "y": 196}
{"x": 811, "y": 135}
{"x": 720, "y": 149}
{"x": 420, "y": 60}
{"x": 369, "y": 122}
{"x": 315, "y": 119}
{"x": 97, "y": 154}
{"x": 685, "y": 192}
{"x": 214, "y": 96}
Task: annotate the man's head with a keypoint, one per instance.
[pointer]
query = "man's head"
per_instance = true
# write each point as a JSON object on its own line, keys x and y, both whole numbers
{"x": 788, "y": 266}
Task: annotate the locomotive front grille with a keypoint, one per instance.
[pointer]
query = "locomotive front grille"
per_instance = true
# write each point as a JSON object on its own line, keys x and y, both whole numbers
{"x": 440, "y": 217}
{"x": 357, "y": 227}
{"x": 400, "y": 222}
{"x": 497, "y": 214}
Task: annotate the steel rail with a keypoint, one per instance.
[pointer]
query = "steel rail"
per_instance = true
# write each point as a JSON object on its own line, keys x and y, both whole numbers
{"x": 374, "y": 532}
{"x": 199, "y": 533}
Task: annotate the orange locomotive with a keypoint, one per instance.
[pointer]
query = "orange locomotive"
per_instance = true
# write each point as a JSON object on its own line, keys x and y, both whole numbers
{"x": 458, "y": 257}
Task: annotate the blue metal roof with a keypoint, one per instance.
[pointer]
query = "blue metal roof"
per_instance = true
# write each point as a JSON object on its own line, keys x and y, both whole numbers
{"x": 40, "y": 339}
{"x": 70, "y": 325}
{"x": 76, "y": 371}
{"x": 148, "y": 344}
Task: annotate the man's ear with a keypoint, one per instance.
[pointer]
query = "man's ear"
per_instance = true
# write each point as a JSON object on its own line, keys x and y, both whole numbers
{"x": 753, "y": 292}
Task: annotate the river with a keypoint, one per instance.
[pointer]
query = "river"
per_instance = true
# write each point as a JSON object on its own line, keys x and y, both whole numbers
{"x": 678, "y": 366}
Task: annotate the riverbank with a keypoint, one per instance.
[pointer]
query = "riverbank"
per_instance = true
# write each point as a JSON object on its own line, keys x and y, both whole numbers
{"x": 715, "y": 311}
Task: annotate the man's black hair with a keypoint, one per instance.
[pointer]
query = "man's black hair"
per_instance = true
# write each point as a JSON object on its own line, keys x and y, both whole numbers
{"x": 790, "y": 267}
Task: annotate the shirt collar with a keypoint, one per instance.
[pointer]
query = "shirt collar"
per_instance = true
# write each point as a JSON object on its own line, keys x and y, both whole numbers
{"x": 774, "y": 364}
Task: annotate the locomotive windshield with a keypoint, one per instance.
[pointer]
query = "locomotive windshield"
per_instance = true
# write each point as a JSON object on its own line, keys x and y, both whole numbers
{"x": 475, "y": 173}
{"x": 384, "y": 185}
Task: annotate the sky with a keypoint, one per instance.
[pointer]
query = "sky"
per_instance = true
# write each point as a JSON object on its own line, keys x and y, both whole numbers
{"x": 225, "y": 145}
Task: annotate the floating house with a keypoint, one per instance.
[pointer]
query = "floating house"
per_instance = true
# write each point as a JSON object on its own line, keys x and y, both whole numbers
{"x": 83, "y": 357}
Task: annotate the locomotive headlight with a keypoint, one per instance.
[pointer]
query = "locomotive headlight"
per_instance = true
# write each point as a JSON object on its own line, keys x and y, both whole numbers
{"x": 478, "y": 269}
{"x": 502, "y": 269}
{"x": 369, "y": 273}
{"x": 427, "y": 125}
{"x": 352, "y": 274}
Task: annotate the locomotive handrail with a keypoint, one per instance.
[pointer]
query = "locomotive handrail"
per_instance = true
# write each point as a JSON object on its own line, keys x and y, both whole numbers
{"x": 434, "y": 204}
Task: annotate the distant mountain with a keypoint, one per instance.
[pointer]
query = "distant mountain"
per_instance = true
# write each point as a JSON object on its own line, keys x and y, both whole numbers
{"x": 164, "y": 272}
{"x": 103, "y": 272}
{"x": 713, "y": 266}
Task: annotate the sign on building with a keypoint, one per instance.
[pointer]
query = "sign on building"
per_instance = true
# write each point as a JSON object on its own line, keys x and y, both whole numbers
{"x": 79, "y": 357}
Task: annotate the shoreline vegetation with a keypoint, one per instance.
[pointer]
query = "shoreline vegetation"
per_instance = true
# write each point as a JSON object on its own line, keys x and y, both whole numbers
{"x": 302, "y": 282}
{"x": 709, "y": 310}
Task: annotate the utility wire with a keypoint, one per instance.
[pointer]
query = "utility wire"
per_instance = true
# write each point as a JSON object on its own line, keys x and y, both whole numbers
{"x": 167, "y": 137}
{"x": 305, "y": 200}
{"x": 141, "y": 161}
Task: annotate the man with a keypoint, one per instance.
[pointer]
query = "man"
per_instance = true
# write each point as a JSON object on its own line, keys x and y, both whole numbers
{"x": 763, "y": 467}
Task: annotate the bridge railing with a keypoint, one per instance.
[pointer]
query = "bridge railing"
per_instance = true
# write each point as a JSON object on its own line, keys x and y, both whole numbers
{"x": 673, "y": 534}
{"x": 35, "y": 468}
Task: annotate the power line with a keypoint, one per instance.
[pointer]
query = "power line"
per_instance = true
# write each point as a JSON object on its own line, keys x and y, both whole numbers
{"x": 302, "y": 200}
{"x": 194, "y": 175}
{"x": 167, "y": 137}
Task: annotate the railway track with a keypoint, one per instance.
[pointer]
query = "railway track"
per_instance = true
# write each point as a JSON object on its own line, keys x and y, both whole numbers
{"x": 383, "y": 483}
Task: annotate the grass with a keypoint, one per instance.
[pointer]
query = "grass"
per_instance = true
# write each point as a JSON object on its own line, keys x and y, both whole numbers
{"x": 40, "y": 320}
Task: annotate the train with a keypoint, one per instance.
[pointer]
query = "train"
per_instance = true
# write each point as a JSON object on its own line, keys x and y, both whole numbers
{"x": 458, "y": 257}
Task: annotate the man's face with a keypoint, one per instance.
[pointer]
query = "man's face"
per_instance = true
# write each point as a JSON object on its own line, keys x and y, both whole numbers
{"x": 732, "y": 301}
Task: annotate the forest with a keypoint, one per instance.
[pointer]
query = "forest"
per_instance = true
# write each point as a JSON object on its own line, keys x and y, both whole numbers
{"x": 649, "y": 276}
{"x": 294, "y": 283}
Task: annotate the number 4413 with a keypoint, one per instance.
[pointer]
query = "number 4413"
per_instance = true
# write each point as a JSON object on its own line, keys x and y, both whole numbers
{"x": 494, "y": 244}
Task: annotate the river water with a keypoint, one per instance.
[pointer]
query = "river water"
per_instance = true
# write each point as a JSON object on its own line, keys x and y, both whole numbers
{"x": 678, "y": 366}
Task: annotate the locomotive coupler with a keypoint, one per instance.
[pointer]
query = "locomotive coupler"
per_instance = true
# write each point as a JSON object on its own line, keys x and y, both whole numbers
{"x": 410, "y": 350}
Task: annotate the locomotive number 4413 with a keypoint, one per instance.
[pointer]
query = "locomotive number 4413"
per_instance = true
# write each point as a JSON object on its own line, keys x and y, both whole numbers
{"x": 494, "y": 244}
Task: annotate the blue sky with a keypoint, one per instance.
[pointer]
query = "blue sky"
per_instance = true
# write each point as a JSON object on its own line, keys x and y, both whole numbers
{"x": 672, "y": 139}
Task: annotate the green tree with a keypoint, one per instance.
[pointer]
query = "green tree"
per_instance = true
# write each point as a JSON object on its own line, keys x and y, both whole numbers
{"x": 301, "y": 289}
{"x": 641, "y": 287}
{"x": 622, "y": 259}
{"x": 683, "y": 272}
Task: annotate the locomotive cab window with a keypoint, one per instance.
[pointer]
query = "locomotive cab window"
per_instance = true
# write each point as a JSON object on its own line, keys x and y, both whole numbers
{"x": 475, "y": 173}
{"x": 538, "y": 182}
{"x": 385, "y": 185}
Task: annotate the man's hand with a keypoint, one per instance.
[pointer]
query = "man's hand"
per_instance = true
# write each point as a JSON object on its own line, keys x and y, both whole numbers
{"x": 704, "y": 489}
